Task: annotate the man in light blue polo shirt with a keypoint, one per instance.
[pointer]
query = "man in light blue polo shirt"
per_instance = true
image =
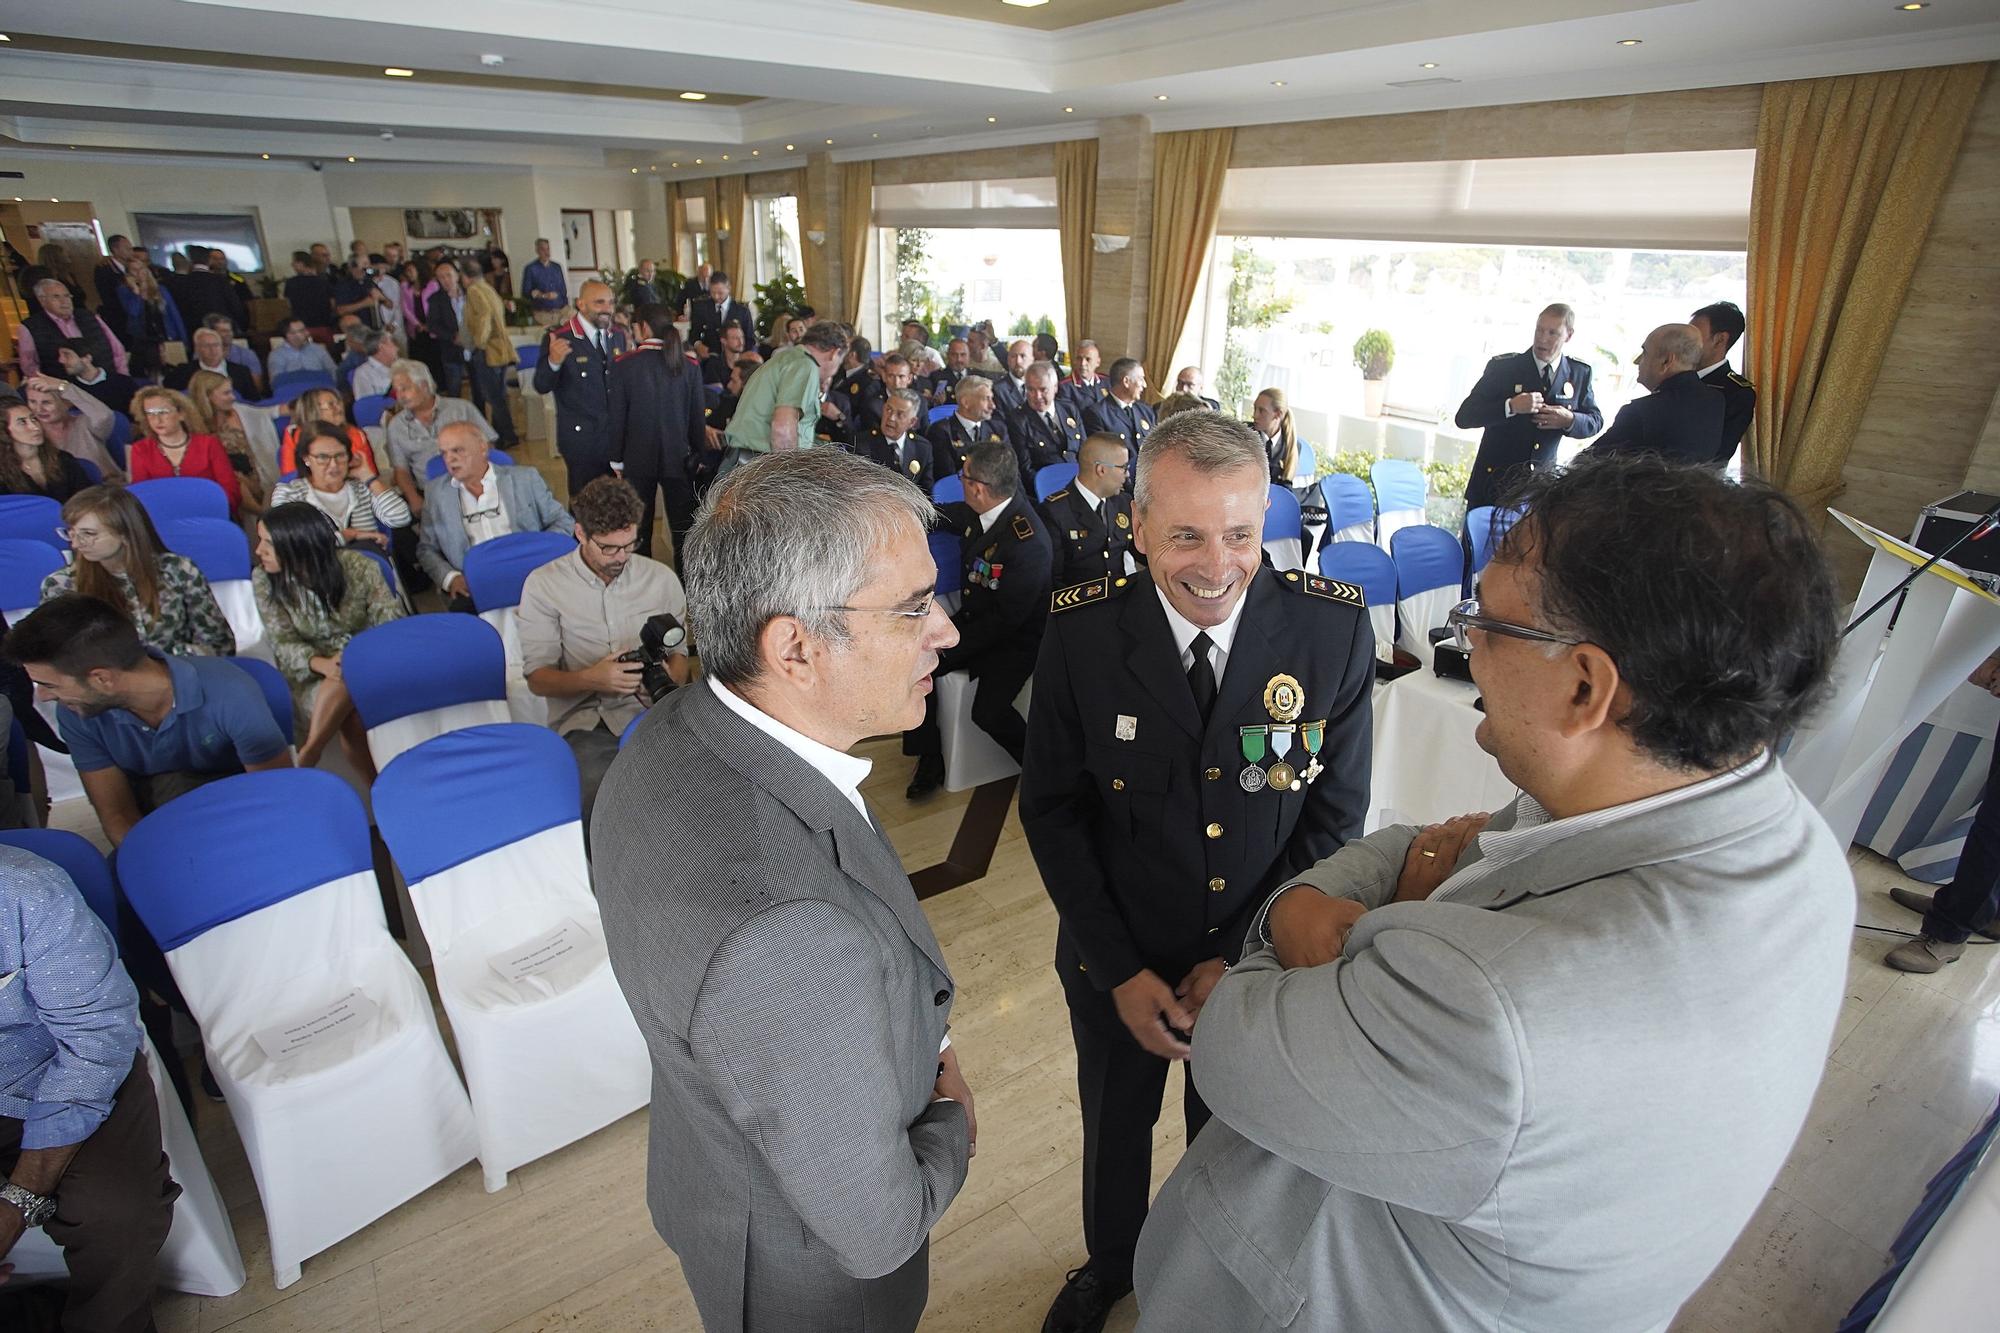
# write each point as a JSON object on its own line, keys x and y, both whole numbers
{"x": 545, "y": 286}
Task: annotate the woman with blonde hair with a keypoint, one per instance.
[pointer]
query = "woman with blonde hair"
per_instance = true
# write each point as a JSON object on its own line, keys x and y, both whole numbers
{"x": 152, "y": 320}
{"x": 248, "y": 436}
{"x": 1271, "y": 417}
{"x": 169, "y": 443}
{"x": 120, "y": 560}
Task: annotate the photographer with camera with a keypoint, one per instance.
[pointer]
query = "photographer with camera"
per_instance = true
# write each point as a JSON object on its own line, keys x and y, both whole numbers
{"x": 595, "y": 626}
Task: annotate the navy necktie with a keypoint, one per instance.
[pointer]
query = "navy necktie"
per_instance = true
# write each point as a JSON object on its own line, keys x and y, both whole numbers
{"x": 1201, "y": 675}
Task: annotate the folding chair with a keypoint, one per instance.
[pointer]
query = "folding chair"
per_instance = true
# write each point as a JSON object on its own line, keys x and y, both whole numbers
{"x": 1400, "y": 491}
{"x": 948, "y": 489}
{"x": 168, "y": 498}
{"x": 24, "y": 563}
{"x": 222, "y": 553}
{"x": 938, "y": 414}
{"x": 34, "y": 518}
{"x": 1284, "y": 530}
{"x": 1369, "y": 567}
{"x": 1053, "y": 478}
{"x": 1430, "y": 570}
{"x": 422, "y": 676}
{"x": 286, "y": 388}
{"x": 494, "y": 573}
{"x": 1484, "y": 527}
{"x": 1350, "y": 508}
{"x": 369, "y": 410}
{"x": 277, "y": 692}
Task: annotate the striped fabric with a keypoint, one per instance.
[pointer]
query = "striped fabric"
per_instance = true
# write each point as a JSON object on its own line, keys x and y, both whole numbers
{"x": 1932, "y": 784}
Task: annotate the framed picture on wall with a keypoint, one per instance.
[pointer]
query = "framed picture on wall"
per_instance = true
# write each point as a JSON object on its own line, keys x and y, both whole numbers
{"x": 579, "y": 230}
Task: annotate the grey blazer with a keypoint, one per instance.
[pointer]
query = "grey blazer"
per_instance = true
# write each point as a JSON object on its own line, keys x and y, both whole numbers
{"x": 1548, "y": 1102}
{"x": 531, "y": 507}
{"x": 794, "y": 998}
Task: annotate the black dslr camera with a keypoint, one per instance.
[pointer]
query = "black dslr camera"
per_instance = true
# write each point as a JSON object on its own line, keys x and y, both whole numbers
{"x": 659, "y": 636}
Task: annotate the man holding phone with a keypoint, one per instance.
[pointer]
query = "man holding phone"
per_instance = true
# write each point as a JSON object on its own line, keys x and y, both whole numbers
{"x": 1527, "y": 402}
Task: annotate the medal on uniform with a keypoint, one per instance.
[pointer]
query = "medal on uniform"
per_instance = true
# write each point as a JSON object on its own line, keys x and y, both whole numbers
{"x": 1127, "y": 727}
{"x": 1252, "y": 778}
{"x": 1281, "y": 774}
{"x": 1121, "y": 520}
{"x": 1285, "y": 699}
{"x": 1313, "y": 734}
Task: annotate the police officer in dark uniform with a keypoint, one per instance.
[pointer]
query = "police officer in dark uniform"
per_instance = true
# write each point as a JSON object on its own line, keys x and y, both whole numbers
{"x": 1004, "y": 600}
{"x": 1010, "y": 391}
{"x": 659, "y": 423}
{"x": 896, "y": 444}
{"x": 973, "y": 424}
{"x": 1200, "y": 734}
{"x": 957, "y": 365}
{"x": 1044, "y": 430}
{"x": 1721, "y": 327}
{"x": 1085, "y": 386}
{"x": 1090, "y": 520}
{"x": 1527, "y": 402}
{"x": 574, "y": 366}
{"x": 856, "y": 393}
{"x": 1120, "y": 412}
{"x": 1680, "y": 418}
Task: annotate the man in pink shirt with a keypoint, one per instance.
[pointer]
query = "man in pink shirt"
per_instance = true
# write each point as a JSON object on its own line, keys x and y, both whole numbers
{"x": 41, "y": 334}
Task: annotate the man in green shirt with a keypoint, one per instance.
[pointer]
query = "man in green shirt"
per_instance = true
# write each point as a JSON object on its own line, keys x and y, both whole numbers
{"x": 779, "y": 409}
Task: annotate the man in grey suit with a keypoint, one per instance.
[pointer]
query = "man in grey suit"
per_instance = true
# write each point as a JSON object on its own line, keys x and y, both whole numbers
{"x": 1537, "y": 1073}
{"x": 810, "y": 1124}
{"x": 475, "y": 501}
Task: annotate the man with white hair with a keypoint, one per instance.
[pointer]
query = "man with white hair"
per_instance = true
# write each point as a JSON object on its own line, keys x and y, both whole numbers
{"x": 971, "y": 426}
{"x": 1680, "y": 418}
{"x": 212, "y": 354}
{"x": 39, "y": 339}
{"x": 1044, "y": 428}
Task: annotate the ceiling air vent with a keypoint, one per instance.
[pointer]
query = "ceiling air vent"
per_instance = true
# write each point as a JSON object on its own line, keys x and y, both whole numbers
{"x": 1436, "y": 81}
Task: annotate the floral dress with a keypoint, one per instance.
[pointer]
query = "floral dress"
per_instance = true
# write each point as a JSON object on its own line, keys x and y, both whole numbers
{"x": 299, "y": 634}
{"x": 189, "y": 622}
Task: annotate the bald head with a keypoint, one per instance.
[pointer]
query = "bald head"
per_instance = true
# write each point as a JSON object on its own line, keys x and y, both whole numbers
{"x": 1668, "y": 350}
{"x": 466, "y": 452}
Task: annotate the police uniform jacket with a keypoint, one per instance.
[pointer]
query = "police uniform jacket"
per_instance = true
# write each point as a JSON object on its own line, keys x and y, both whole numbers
{"x": 658, "y": 412}
{"x": 1090, "y": 541}
{"x": 1681, "y": 421}
{"x": 913, "y": 459}
{"x": 861, "y": 394}
{"x": 581, "y": 387}
{"x": 705, "y": 323}
{"x": 1132, "y": 424}
{"x": 1004, "y": 579}
{"x": 1154, "y": 852}
{"x": 942, "y": 385}
{"x": 1083, "y": 395}
{"x": 1739, "y": 404}
{"x": 1037, "y": 444}
{"x": 950, "y": 440}
{"x": 1511, "y": 442}
{"x": 1009, "y": 395}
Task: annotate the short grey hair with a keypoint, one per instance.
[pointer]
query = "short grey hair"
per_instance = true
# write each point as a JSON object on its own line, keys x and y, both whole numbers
{"x": 992, "y": 464}
{"x": 909, "y": 398}
{"x": 829, "y": 335}
{"x": 1209, "y": 442}
{"x": 371, "y": 342}
{"x": 792, "y": 534}
{"x": 970, "y": 385}
{"x": 55, "y": 283}
{"x": 1682, "y": 343}
{"x": 416, "y": 372}
{"x": 1047, "y": 368}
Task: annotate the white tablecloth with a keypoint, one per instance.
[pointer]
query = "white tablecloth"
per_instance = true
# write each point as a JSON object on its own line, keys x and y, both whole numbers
{"x": 1427, "y": 766}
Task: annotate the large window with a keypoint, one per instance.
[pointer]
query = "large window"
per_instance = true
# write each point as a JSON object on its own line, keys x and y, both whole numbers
{"x": 954, "y": 277}
{"x": 774, "y": 236}
{"x": 235, "y": 234}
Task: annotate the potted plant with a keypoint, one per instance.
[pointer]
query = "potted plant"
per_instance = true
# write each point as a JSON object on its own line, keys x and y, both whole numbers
{"x": 1374, "y": 354}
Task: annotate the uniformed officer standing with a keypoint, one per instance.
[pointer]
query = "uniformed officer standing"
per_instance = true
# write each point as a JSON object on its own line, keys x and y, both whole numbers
{"x": 1721, "y": 326}
{"x": 896, "y": 444}
{"x": 1199, "y": 734}
{"x": 574, "y": 367}
{"x": 1005, "y": 598}
{"x": 1120, "y": 412}
{"x": 973, "y": 424}
{"x": 1090, "y": 521}
{"x": 1527, "y": 402}
{"x": 1680, "y": 418}
{"x": 1043, "y": 430}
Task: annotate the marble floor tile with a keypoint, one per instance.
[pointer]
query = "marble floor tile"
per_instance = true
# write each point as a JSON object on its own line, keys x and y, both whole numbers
{"x": 1029, "y": 1129}
{"x": 346, "y": 1302}
{"x": 991, "y": 1276}
{"x": 1945, "y": 1054}
{"x": 1791, "y": 1270}
{"x": 649, "y": 1296}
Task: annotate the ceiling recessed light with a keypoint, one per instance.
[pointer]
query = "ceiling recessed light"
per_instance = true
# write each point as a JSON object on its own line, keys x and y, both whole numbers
{"x": 725, "y": 157}
{"x": 756, "y": 152}
{"x": 350, "y": 159}
{"x": 5, "y": 38}
{"x": 1913, "y": 7}
{"x": 54, "y": 200}
{"x": 993, "y": 120}
{"x": 673, "y": 164}
{"x": 829, "y": 143}
{"x": 694, "y": 97}
{"x": 877, "y": 136}
{"x": 1277, "y": 83}
{"x": 1159, "y": 97}
{"x": 791, "y": 148}
{"x": 1630, "y": 41}
{"x": 1025, "y": 4}
{"x": 1069, "y": 111}
{"x": 697, "y": 161}
{"x": 265, "y": 156}
{"x": 635, "y": 171}
{"x": 652, "y": 168}
{"x": 396, "y": 72}
{"x": 1428, "y": 64}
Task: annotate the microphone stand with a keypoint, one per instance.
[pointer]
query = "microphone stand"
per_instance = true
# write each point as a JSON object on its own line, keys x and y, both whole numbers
{"x": 1987, "y": 522}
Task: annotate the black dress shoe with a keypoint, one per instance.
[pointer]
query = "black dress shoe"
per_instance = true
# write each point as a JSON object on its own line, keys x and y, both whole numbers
{"x": 1084, "y": 1302}
{"x": 927, "y": 779}
{"x": 209, "y": 1085}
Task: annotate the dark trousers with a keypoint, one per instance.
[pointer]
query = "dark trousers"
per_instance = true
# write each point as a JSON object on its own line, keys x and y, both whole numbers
{"x": 585, "y": 466}
{"x": 1972, "y": 899}
{"x": 489, "y": 392}
{"x": 1120, "y": 1085}
{"x": 680, "y": 496}
{"x": 594, "y": 750}
{"x": 1000, "y": 678}
{"x": 454, "y": 370}
{"x": 114, "y": 1206}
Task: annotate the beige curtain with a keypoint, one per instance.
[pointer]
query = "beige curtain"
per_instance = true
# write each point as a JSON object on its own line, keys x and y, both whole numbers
{"x": 674, "y": 224}
{"x": 857, "y": 215}
{"x": 705, "y": 191}
{"x": 729, "y": 205}
{"x": 1188, "y": 171}
{"x": 1849, "y": 173}
{"x": 1076, "y": 214}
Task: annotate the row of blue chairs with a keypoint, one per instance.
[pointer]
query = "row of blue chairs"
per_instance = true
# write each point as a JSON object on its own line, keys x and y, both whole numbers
{"x": 38, "y": 518}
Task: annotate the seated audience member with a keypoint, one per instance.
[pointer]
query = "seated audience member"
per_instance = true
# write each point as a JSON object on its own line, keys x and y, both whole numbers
{"x": 39, "y": 339}
{"x": 119, "y": 559}
{"x": 973, "y": 424}
{"x": 248, "y": 436}
{"x": 1176, "y": 403}
{"x": 1010, "y": 391}
{"x": 413, "y": 434}
{"x": 1120, "y": 412}
{"x": 657, "y": 427}
{"x": 152, "y": 320}
{"x": 1458, "y": 1091}
{"x": 581, "y": 613}
{"x": 320, "y": 405}
{"x": 372, "y": 377}
{"x": 785, "y": 333}
{"x": 945, "y": 381}
{"x": 897, "y": 443}
{"x": 314, "y": 597}
{"x": 211, "y": 355}
{"x": 1084, "y": 385}
{"x": 33, "y": 466}
{"x": 1190, "y": 381}
{"x": 716, "y": 366}
{"x": 1049, "y": 350}
{"x": 79, "y": 367}
{"x": 168, "y": 444}
{"x": 1004, "y": 562}
{"x": 1044, "y": 429}
{"x": 708, "y": 317}
{"x": 52, "y": 263}
{"x": 476, "y": 501}
{"x": 295, "y": 353}
{"x": 143, "y": 727}
{"x": 309, "y": 293}
{"x": 347, "y": 489}
{"x": 355, "y": 293}
{"x": 353, "y": 337}
{"x": 74, "y": 422}
{"x": 235, "y": 352}
{"x": 79, "y": 1127}
{"x": 1271, "y": 418}
{"x": 1680, "y": 418}
{"x": 979, "y": 350}
{"x": 1090, "y": 520}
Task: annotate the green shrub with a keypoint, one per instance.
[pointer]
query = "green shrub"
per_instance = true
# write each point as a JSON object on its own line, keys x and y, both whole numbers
{"x": 1374, "y": 354}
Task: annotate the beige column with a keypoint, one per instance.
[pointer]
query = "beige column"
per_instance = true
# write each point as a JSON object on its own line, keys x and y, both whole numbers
{"x": 820, "y": 212}
{"x": 1118, "y": 280}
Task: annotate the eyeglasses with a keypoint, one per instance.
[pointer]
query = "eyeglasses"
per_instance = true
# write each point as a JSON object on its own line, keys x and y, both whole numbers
{"x": 1465, "y": 616}
{"x": 161, "y": 411}
{"x": 616, "y": 548}
{"x": 919, "y": 612}
{"x": 326, "y": 458}
{"x": 75, "y": 535}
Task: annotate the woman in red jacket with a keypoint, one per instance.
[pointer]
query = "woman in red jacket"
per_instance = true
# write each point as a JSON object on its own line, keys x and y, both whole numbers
{"x": 168, "y": 446}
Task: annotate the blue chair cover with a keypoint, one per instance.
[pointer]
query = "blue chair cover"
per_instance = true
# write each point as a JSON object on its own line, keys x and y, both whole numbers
{"x": 91, "y": 470}
{"x": 1053, "y": 478}
{"x": 1282, "y": 519}
{"x": 940, "y": 413}
{"x": 281, "y": 424}
{"x": 947, "y": 553}
{"x": 23, "y": 566}
{"x": 234, "y": 846}
{"x": 625, "y": 735}
{"x": 217, "y": 546}
{"x": 32, "y": 518}
{"x": 435, "y": 468}
{"x": 1484, "y": 527}
{"x": 1399, "y": 484}
{"x": 285, "y": 388}
{"x": 119, "y": 439}
{"x": 423, "y": 662}
{"x": 368, "y": 410}
{"x": 469, "y": 792}
{"x": 169, "y": 498}
{"x": 948, "y": 489}
{"x": 77, "y": 858}
{"x": 1308, "y": 461}
{"x": 1363, "y": 564}
{"x": 1348, "y": 501}
{"x": 495, "y": 570}
{"x": 277, "y": 693}
{"x": 528, "y": 355}
{"x": 1425, "y": 558}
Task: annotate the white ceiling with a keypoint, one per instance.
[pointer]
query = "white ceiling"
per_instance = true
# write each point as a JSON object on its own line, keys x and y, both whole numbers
{"x": 878, "y": 80}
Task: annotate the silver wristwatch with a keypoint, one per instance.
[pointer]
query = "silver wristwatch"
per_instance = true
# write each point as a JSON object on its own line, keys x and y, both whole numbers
{"x": 35, "y": 1208}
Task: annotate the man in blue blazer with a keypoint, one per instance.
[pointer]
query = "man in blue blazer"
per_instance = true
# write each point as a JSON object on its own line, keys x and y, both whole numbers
{"x": 1527, "y": 402}
{"x": 575, "y": 367}
{"x": 475, "y": 501}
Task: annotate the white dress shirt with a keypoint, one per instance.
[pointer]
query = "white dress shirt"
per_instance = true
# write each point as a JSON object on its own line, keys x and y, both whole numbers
{"x": 485, "y": 514}
{"x": 844, "y": 771}
{"x": 1219, "y": 638}
{"x": 992, "y": 516}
